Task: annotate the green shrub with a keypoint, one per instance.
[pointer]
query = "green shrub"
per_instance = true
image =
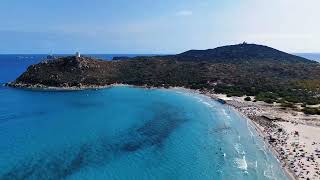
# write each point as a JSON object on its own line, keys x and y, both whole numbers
{"x": 269, "y": 101}
{"x": 288, "y": 105}
{"x": 311, "y": 111}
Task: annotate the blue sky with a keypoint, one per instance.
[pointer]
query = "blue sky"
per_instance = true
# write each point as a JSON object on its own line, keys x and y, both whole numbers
{"x": 151, "y": 26}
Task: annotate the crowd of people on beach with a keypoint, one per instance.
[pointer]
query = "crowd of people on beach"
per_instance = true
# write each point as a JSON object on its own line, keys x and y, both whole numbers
{"x": 299, "y": 159}
{"x": 293, "y": 153}
{"x": 290, "y": 151}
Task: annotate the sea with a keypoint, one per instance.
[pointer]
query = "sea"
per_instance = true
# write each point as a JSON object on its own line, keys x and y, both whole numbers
{"x": 311, "y": 56}
{"x": 124, "y": 133}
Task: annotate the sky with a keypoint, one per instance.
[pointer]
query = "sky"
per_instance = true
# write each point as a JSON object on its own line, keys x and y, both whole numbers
{"x": 156, "y": 26}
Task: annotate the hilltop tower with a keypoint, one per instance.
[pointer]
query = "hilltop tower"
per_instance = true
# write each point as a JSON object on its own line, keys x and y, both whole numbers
{"x": 78, "y": 54}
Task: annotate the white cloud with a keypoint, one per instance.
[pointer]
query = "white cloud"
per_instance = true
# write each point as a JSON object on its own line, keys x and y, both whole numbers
{"x": 184, "y": 13}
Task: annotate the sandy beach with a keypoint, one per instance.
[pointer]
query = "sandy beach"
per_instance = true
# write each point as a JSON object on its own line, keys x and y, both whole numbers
{"x": 293, "y": 136}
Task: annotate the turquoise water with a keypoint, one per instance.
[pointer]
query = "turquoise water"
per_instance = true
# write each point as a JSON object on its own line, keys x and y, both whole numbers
{"x": 123, "y": 133}
{"x": 127, "y": 133}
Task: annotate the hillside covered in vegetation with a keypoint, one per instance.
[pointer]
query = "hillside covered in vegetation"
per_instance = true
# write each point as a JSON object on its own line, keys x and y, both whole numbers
{"x": 237, "y": 70}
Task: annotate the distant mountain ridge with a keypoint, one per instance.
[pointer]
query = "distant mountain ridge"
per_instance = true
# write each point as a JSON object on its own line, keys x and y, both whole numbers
{"x": 241, "y": 52}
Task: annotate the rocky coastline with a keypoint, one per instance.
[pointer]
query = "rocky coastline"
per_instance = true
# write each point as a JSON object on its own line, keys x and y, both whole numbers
{"x": 64, "y": 88}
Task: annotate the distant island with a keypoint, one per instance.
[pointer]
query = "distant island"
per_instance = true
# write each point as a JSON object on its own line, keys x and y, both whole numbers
{"x": 237, "y": 70}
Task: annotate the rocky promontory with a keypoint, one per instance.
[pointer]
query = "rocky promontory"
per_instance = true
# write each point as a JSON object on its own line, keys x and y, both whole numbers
{"x": 237, "y": 70}
{"x": 67, "y": 72}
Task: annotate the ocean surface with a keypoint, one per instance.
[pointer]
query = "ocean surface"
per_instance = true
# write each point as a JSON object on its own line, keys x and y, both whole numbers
{"x": 311, "y": 56}
{"x": 124, "y": 133}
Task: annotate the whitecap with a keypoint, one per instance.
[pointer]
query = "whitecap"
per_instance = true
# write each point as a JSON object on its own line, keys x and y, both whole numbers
{"x": 242, "y": 163}
{"x": 239, "y": 149}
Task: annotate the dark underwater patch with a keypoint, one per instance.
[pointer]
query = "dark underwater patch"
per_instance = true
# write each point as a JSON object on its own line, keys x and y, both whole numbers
{"x": 155, "y": 131}
{"x": 5, "y": 117}
{"x": 59, "y": 165}
{"x": 51, "y": 167}
{"x": 86, "y": 104}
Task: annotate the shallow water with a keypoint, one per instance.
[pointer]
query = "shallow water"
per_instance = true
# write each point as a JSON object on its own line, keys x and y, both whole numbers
{"x": 127, "y": 133}
{"x": 123, "y": 133}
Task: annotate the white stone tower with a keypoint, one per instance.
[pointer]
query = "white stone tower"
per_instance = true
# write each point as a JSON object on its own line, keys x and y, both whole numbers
{"x": 78, "y": 54}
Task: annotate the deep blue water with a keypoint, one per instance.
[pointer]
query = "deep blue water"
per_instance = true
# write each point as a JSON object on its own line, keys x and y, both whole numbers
{"x": 124, "y": 133}
{"x": 311, "y": 56}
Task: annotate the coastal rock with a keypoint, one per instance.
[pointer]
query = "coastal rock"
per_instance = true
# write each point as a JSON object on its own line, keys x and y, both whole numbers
{"x": 237, "y": 70}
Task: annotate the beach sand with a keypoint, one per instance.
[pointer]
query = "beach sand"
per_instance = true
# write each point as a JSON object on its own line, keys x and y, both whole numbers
{"x": 302, "y": 149}
{"x": 293, "y": 136}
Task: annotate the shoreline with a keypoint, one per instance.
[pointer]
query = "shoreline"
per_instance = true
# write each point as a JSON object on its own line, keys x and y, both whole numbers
{"x": 266, "y": 123}
{"x": 270, "y": 133}
{"x": 300, "y": 160}
{"x": 265, "y": 133}
{"x": 256, "y": 127}
{"x": 261, "y": 133}
{"x": 40, "y": 87}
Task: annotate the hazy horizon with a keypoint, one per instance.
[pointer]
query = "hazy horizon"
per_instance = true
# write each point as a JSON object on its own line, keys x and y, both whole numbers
{"x": 110, "y": 53}
{"x": 310, "y": 56}
{"x": 143, "y": 53}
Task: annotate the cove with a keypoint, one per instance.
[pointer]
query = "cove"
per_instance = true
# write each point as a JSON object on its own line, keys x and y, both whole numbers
{"x": 127, "y": 133}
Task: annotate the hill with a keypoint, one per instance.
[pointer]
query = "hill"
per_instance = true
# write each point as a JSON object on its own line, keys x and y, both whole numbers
{"x": 246, "y": 69}
{"x": 240, "y": 53}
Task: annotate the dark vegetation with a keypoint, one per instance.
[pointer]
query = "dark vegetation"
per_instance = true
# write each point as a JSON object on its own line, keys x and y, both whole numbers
{"x": 311, "y": 111}
{"x": 238, "y": 70}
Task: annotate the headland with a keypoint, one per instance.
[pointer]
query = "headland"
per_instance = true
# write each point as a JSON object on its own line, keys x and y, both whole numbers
{"x": 278, "y": 91}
